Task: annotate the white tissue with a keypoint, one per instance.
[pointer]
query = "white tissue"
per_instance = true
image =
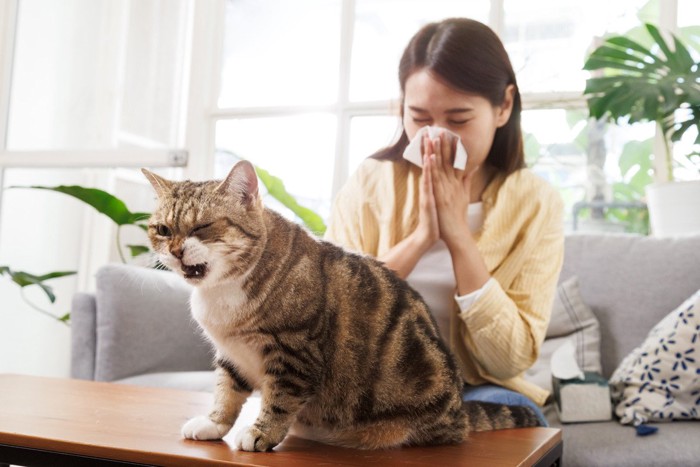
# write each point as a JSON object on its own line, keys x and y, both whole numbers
{"x": 564, "y": 364}
{"x": 414, "y": 153}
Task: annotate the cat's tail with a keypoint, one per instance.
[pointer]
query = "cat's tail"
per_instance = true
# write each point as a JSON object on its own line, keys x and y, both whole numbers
{"x": 485, "y": 416}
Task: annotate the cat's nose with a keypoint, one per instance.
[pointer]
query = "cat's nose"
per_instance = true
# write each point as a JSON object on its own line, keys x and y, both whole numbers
{"x": 177, "y": 252}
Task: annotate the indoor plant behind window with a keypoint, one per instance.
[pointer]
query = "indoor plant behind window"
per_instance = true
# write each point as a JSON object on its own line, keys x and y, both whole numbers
{"x": 658, "y": 84}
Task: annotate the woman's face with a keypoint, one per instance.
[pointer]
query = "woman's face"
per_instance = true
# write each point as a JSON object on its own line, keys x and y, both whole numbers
{"x": 428, "y": 101}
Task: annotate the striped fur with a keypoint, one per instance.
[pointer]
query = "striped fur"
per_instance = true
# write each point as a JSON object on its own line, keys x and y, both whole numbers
{"x": 342, "y": 350}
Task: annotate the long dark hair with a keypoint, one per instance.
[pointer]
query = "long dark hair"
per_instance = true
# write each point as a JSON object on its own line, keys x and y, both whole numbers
{"x": 468, "y": 56}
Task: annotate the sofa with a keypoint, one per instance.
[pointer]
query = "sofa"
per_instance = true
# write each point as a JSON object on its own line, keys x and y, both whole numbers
{"x": 136, "y": 329}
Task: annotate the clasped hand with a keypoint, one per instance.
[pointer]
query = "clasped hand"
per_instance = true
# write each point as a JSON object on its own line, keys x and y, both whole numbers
{"x": 444, "y": 193}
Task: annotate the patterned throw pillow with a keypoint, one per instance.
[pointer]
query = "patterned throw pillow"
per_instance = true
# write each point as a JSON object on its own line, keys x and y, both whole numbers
{"x": 660, "y": 380}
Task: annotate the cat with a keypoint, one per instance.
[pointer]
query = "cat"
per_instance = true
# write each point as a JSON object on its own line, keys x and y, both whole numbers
{"x": 342, "y": 350}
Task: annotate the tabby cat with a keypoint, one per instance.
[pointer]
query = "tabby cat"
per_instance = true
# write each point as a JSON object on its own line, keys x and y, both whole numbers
{"x": 342, "y": 350}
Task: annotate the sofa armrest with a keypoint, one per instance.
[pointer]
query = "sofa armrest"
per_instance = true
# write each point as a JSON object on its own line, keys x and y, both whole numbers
{"x": 143, "y": 324}
{"x": 83, "y": 339}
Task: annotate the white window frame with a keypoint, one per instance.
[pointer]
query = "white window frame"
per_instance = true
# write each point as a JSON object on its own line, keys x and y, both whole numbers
{"x": 200, "y": 98}
{"x": 95, "y": 250}
{"x": 344, "y": 110}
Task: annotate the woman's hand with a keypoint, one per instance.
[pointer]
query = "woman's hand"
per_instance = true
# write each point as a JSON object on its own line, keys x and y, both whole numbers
{"x": 451, "y": 190}
{"x": 452, "y": 193}
{"x": 427, "y": 232}
{"x": 404, "y": 256}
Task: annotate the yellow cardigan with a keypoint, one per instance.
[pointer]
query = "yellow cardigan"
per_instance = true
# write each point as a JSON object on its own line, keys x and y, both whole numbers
{"x": 522, "y": 244}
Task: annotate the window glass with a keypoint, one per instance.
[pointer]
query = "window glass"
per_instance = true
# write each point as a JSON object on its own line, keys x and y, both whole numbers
{"x": 588, "y": 160}
{"x": 689, "y": 15}
{"x": 298, "y": 149}
{"x": 93, "y": 74}
{"x": 152, "y": 93}
{"x": 686, "y": 153}
{"x": 548, "y": 41}
{"x": 368, "y": 135}
{"x": 275, "y": 55}
{"x": 382, "y": 31}
{"x": 54, "y": 102}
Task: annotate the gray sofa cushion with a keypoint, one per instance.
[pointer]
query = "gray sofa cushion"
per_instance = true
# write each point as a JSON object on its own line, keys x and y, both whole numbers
{"x": 571, "y": 320}
{"x": 83, "y": 337}
{"x": 144, "y": 323}
{"x": 611, "y": 444}
{"x": 617, "y": 280}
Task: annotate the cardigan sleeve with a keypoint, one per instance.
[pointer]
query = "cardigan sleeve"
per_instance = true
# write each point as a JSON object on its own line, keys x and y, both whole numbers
{"x": 504, "y": 328}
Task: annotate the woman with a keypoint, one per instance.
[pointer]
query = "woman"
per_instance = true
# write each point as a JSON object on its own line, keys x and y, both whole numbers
{"x": 483, "y": 245}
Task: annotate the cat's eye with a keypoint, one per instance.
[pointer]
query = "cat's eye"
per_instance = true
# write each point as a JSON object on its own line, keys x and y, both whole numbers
{"x": 199, "y": 228}
{"x": 163, "y": 230}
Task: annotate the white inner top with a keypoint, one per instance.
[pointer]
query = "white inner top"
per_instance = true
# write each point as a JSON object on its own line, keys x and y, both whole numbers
{"x": 433, "y": 277}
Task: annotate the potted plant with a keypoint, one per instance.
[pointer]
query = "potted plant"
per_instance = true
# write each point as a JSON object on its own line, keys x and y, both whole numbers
{"x": 114, "y": 208}
{"x": 658, "y": 84}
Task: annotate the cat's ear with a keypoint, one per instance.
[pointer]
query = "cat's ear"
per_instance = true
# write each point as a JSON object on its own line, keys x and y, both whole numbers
{"x": 160, "y": 184}
{"x": 242, "y": 181}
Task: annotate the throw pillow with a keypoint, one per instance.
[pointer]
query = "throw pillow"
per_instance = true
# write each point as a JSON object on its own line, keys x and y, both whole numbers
{"x": 660, "y": 380}
{"x": 571, "y": 319}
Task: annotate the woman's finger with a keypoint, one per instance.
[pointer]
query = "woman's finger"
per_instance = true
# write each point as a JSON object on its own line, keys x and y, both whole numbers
{"x": 446, "y": 146}
{"x": 437, "y": 152}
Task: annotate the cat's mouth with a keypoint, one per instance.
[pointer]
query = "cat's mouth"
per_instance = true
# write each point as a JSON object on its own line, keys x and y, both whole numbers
{"x": 194, "y": 271}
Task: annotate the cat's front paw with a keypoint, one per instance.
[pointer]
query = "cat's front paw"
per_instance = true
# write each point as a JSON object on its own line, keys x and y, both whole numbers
{"x": 252, "y": 439}
{"x": 203, "y": 428}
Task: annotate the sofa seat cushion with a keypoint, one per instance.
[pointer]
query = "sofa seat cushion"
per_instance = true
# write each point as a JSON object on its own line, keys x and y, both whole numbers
{"x": 612, "y": 444}
{"x": 203, "y": 381}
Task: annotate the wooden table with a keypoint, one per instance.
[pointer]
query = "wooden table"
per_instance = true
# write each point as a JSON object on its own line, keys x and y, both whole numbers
{"x": 54, "y": 422}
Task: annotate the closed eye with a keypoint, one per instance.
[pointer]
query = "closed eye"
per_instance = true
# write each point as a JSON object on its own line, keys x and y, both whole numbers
{"x": 199, "y": 228}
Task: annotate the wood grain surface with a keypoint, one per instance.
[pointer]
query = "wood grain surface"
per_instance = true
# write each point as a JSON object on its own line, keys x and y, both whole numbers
{"x": 138, "y": 424}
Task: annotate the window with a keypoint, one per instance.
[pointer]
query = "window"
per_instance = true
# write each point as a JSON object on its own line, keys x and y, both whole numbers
{"x": 314, "y": 96}
{"x": 87, "y": 87}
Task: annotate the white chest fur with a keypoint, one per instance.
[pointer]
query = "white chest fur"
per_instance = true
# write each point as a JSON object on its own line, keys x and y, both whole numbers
{"x": 219, "y": 311}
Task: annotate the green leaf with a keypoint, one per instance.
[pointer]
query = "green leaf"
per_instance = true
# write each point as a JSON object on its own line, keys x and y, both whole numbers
{"x": 606, "y": 52}
{"x": 596, "y": 63}
{"x": 643, "y": 85}
{"x": 643, "y": 62}
{"x": 641, "y": 179}
{"x": 103, "y": 202}
{"x": 660, "y": 41}
{"x": 622, "y": 41}
{"x": 684, "y": 59}
{"x": 24, "y": 279}
{"x": 275, "y": 187}
{"x": 65, "y": 318}
{"x": 602, "y": 84}
{"x": 137, "y": 250}
{"x": 56, "y": 275}
{"x": 635, "y": 154}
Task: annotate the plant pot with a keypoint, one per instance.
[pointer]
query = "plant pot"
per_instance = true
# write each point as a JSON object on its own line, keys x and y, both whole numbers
{"x": 674, "y": 208}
